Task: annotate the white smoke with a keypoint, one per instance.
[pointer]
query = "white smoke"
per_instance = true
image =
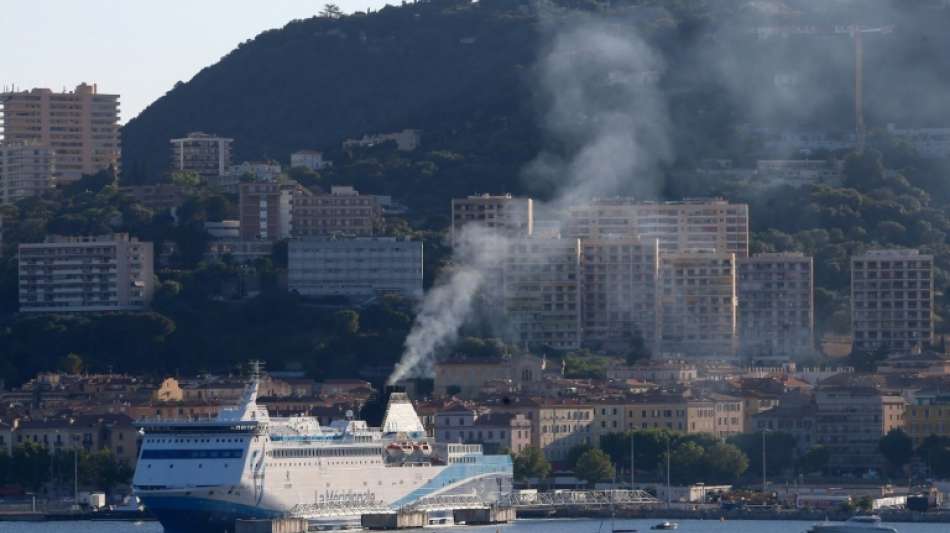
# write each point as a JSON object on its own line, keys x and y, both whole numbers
{"x": 609, "y": 124}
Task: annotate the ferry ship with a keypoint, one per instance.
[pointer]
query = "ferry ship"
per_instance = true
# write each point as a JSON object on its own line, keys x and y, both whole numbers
{"x": 203, "y": 475}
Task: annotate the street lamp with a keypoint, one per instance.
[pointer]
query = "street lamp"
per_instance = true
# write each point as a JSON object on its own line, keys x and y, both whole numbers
{"x": 764, "y": 480}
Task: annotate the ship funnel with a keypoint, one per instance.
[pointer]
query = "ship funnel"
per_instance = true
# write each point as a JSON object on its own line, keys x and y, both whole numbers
{"x": 400, "y": 416}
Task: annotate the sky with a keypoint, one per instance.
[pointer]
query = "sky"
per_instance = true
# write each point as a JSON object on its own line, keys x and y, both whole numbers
{"x": 138, "y": 49}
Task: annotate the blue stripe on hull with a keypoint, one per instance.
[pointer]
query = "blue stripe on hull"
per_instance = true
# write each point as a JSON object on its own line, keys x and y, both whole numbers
{"x": 194, "y": 515}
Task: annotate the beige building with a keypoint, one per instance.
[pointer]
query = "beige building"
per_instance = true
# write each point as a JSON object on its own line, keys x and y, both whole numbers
{"x": 81, "y": 127}
{"x": 619, "y": 291}
{"x": 850, "y": 421}
{"x": 26, "y": 169}
{"x": 342, "y": 212}
{"x": 776, "y": 305}
{"x": 698, "y": 303}
{"x": 468, "y": 378}
{"x": 671, "y": 412}
{"x": 266, "y": 209}
{"x": 892, "y": 300}
{"x": 209, "y": 156}
{"x": 504, "y": 213}
{"x": 678, "y": 226}
{"x": 928, "y": 415}
{"x": 542, "y": 292}
{"x": 116, "y": 433}
{"x": 92, "y": 273}
{"x": 560, "y": 427}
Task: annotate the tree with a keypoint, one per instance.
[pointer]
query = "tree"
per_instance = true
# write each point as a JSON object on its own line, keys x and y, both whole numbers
{"x": 346, "y": 322}
{"x": 531, "y": 463}
{"x": 331, "y": 11}
{"x": 780, "y": 449}
{"x": 897, "y": 447}
{"x": 71, "y": 364}
{"x": 935, "y": 452}
{"x": 814, "y": 460}
{"x": 188, "y": 179}
{"x": 725, "y": 463}
{"x": 30, "y": 465}
{"x": 594, "y": 466}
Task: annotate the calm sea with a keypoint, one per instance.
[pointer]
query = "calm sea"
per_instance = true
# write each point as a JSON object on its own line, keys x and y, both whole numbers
{"x": 521, "y": 526}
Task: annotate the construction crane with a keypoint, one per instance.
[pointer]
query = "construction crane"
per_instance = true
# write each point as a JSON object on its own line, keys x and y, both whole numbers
{"x": 856, "y": 32}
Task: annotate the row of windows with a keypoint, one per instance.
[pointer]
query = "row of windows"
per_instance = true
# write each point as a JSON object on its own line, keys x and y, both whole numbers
{"x": 325, "y": 452}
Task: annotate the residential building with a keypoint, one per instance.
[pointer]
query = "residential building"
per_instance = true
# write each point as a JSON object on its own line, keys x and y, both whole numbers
{"x": 504, "y": 213}
{"x": 698, "y": 303}
{"x": 892, "y": 297}
{"x": 656, "y": 371}
{"x": 671, "y": 411}
{"x": 27, "y": 169}
{"x": 542, "y": 292}
{"x": 266, "y": 209}
{"x": 224, "y": 229}
{"x": 730, "y": 416}
{"x": 467, "y": 378}
{"x": 929, "y": 142}
{"x": 116, "y": 433}
{"x": 406, "y": 140}
{"x": 619, "y": 292}
{"x": 712, "y": 224}
{"x": 256, "y": 171}
{"x": 342, "y": 212}
{"x": 496, "y": 432}
{"x": 558, "y": 428}
{"x": 204, "y": 154}
{"x": 795, "y": 420}
{"x": 312, "y": 159}
{"x": 90, "y": 273}
{"x": 356, "y": 267}
{"x": 850, "y": 421}
{"x": 158, "y": 197}
{"x": 239, "y": 250}
{"x": 776, "y": 305}
{"x": 929, "y": 414}
{"x": 81, "y": 127}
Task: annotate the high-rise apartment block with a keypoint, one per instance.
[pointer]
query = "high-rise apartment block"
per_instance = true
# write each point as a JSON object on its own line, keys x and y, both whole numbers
{"x": 209, "y": 156}
{"x": 892, "y": 300}
{"x": 342, "y": 212}
{"x": 26, "y": 169}
{"x": 358, "y": 267}
{"x": 712, "y": 224}
{"x": 504, "y": 213}
{"x": 266, "y": 209}
{"x": 619, "y": 291}
{"x": 542, "y": 292}
{"x": 81, "y": 127}
{"x": 95, "y": 273}
{"x": 697, "y": 293}
{"x": 776, "y": 304}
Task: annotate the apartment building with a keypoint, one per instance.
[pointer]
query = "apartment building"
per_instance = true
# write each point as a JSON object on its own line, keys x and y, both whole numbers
{"x": 892, "y": 300}
{"x": 795, "y": 420}
{"x": 158, "y": 197}
{"x": 266, "y": 209}
{"x": 342, "y": 212}
{"x": 504, "y": 213}
{"x": 929, "y": 414}
{"x": 560, "y": 427}
{"x": 312, "y": 159}
{"x": 496, "y": 432}
{"x": 90, "y": 433}
{"x": 619, "y": 291}
{"x": 207, "y": 155}
{"x": 697, "y": 294}
{"x": 27, "y": 168}
{"x": 256, "y": 170}
{"x": 850, "y": 421}
{"x": 671, "y": 412}
{"x": 713, "y": 224}
{"x": 776, "y": 312}
{"x": 358, "y": 267}
{"x": 81, "y": 127}
{"x": 90, "y": 273}
{"x": 541, "y": 291}
{"x": 468, "y": 378}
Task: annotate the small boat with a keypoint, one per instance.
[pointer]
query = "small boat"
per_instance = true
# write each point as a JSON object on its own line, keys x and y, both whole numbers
{"x": 855, "y": 524}
{"x": 664, "y": 526}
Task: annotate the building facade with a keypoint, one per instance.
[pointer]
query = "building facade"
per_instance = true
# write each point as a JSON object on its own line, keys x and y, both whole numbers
{"x": 206, "y": 155}
{"x": 312, "y": 159}
{"x": 619, "y": 292}
{"x": 892, "y": 300}
{"x": 503, "y": 213}
{"x": 81, "y": 127}
{"x": 266, "y": 209}
{"x": 26, "y": 169}
{"x": 776, "y": 305}
{"x": 928, "y": 415}
{"x": 850, "y": 421}
{"x": 94, "y": 273}
{"x": 542, "y": 292}
{"x": 697, "y": 296}
{"x": 711, "y": 224}
{"x": 358, "y": 267}
{"x": 342, "y": 212}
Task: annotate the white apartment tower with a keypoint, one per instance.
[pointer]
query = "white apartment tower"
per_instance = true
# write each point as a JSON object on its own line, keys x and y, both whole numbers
{"x": 541, "y": 290}
{"x": 508, "y": 215}
{"x": 892, "y": 300}
{"x": 82, "y": 127}
{"x": 619, "y": 280}
{"x": 697, "y": 293}
{"x": 776, "y": 305}
{"x": 92, "y": 273}
{"x": 209, "y": 156}
{"x": 26, "y": 169}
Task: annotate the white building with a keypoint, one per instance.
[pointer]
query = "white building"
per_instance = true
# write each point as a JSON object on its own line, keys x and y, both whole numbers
{"x": 356, "y": 267}
{"x": 256, "y": 170}
{"x": 93, "y": 273}
{"x": 312, "y": 159}
{"x": 26, "y": 169}
{"x": 505, "y": 213}
{"x": 406, "y": 140}
{"x": 224, "y": 229}
{"x": 207, "y": 155}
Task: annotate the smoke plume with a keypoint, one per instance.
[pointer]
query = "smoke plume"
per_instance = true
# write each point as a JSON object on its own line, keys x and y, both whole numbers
{"x": 608, "y": 129}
